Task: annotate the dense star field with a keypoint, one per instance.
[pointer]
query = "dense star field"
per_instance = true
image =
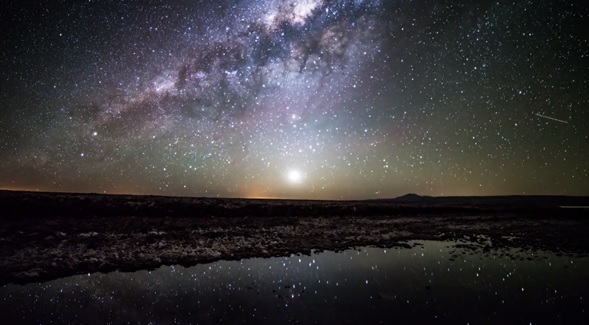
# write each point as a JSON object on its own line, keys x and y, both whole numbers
{"x": 303, "y": 99}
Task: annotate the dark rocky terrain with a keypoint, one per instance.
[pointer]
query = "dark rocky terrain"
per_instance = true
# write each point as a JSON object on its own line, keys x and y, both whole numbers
{"x": 48, "y": 235}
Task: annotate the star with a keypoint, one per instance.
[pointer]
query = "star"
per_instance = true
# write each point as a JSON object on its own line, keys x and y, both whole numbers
{"x": 295, "y": 176}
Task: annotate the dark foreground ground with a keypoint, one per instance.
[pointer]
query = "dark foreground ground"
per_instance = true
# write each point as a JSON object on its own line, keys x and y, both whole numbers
{"x": 45, "y": 236}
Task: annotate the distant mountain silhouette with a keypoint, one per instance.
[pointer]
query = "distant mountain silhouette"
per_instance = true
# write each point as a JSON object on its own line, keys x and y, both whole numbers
{"x": 412, "y": 197}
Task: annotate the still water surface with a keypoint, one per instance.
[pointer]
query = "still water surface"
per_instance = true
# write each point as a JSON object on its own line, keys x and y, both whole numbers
{"x": 433, "y": 282}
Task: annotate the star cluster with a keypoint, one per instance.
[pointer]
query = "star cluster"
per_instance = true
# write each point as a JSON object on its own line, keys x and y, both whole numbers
{"x": 306, "y": 99}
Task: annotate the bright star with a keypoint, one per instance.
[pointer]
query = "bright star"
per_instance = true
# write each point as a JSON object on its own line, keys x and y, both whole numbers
{"x": 295, "y": 176}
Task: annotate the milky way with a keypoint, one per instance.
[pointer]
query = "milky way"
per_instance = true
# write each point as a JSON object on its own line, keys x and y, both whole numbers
{"x": 303, "y": 99}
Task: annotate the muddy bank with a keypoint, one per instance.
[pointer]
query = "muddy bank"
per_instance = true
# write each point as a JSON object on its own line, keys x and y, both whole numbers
{"x": 47, "y": 249}
{"x": 41, "y": 245}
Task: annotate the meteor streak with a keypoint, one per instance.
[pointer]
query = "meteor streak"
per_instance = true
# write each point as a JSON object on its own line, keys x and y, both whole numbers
{"x": 552, "y": 118}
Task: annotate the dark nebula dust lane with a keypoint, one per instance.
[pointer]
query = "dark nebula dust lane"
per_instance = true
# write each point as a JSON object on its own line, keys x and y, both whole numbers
{"x": 303, "y": 99}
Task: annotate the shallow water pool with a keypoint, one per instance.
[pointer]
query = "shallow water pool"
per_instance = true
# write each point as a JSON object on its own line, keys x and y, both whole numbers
{"x": 430, "y": 282}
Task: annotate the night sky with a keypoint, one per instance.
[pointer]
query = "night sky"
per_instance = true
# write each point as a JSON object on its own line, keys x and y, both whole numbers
{"x": 318, "y": 99}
